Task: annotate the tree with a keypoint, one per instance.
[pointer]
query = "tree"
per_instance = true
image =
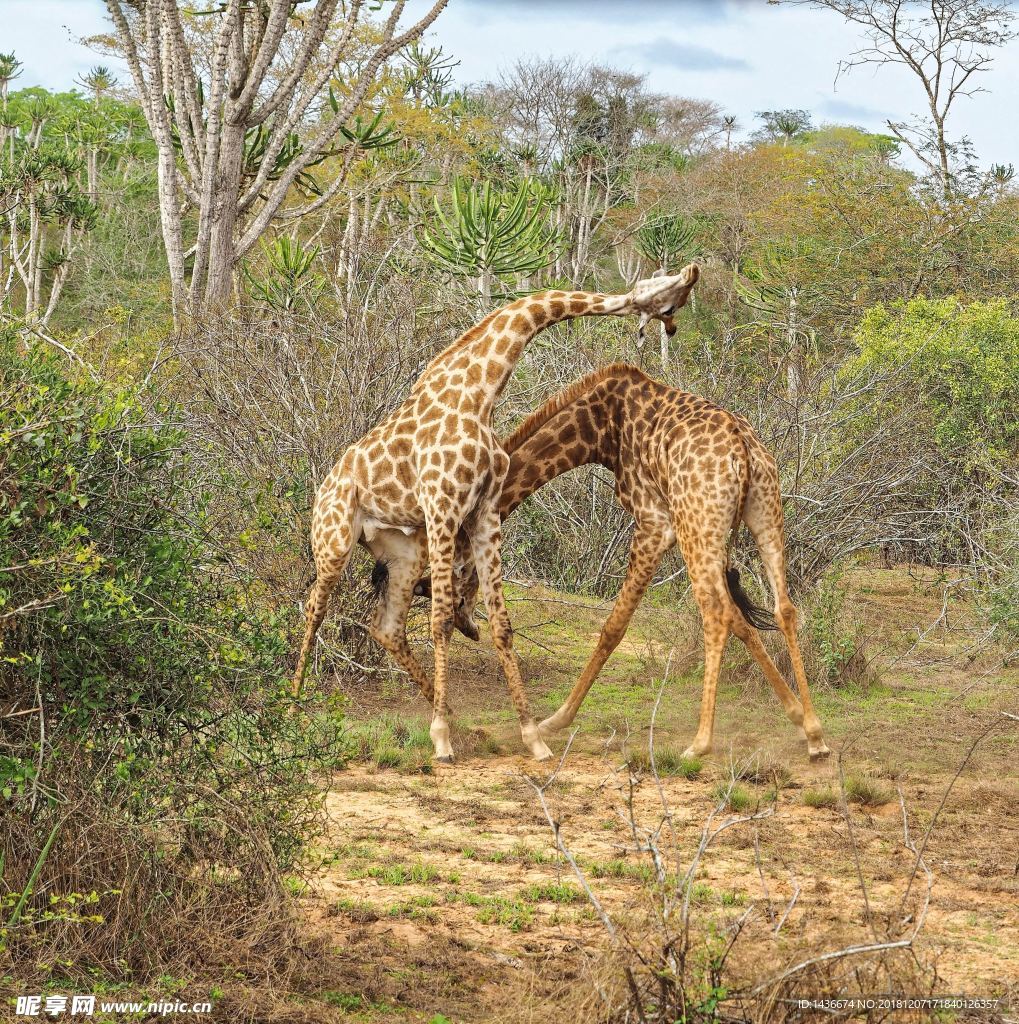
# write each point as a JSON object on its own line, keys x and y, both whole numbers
{"x": 665, "y": 241}
{"x": 10, "y": 68}
{"x": 581, "y": 126}
{"x": 492, "y": 232}
{"x": 99, "y": 81}
{"x": 51, "y": 147}
{"x": 960, "y": 366}
{"x": 236, "y": 140}
{"x": 782, "y": 124}
{"x": 729, "y": 124}
{"x": 943, "y": 44}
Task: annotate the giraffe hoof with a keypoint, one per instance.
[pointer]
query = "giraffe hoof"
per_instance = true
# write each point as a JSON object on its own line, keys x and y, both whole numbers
{"x": 445, "y": 759}
{"x": 551, "y": 726}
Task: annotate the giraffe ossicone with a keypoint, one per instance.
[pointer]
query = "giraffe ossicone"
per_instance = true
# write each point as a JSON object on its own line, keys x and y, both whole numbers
{"x": 434, "y": 469}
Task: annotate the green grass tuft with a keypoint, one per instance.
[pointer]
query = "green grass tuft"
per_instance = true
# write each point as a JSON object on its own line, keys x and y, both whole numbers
{"x": 552, "y": 892}
{"x": 868, "y": 792}
{"x": 391, "y": 743}
{"x": 512, "y": 914}
{"x": 823, "y": 797}
{"x": 403, "y": 874}
{"x": 736, "y": 798}
{"x": 669, "y": 762}
{"x": 622, "y": 869}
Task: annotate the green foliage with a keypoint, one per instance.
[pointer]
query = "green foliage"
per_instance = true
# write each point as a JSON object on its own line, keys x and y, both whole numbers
{"x": 109, "y": 608}
{"x": 389, "y": 742}
{"x": 1001, "y": 596}
{"x": 289, "y": 281}
{"x": 958, "y": 363}
{"x": 665, "y": 241}
{"x": 552, "y": 892}
{"x": 854, "y": 141}
{"x": 404, "y": 874}
{"x": 491, "y": 232}
{"x": 735, "y": 797}
{"x": 513, "y": 914}
{"x": 162, "y": 686}
{"x": 834, "y": 643}
{"x": 822, "y": 797}
{"x": 868, "y": 792}
{"x": 669, "y": 761}
{"x": 55, "y": 151}
{"x": 783, "y": 124}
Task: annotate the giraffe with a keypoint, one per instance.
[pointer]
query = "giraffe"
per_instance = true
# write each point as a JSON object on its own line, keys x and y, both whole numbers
{"x": 688, "y": 472}
{"x": 433, "y": 469}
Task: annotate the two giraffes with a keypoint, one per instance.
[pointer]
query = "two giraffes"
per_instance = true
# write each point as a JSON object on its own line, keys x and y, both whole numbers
{"x": 431, "y": 484}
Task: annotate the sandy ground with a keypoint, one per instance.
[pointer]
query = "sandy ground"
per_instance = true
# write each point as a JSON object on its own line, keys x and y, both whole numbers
{"x": 444, "y": 893}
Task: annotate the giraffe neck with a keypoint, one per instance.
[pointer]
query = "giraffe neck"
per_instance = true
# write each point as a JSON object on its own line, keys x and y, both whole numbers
{"x": 495, "y": 345}
{"x": 505, "y": 341}
{"x": 576, "y": 428}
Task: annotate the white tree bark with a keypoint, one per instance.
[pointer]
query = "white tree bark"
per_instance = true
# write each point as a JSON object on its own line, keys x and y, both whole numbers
{"x": 200, "y": 121}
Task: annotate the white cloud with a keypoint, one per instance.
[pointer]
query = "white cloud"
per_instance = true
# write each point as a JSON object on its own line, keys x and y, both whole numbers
{"x": 45, "y": 36}
{"x": 745, "y": 55}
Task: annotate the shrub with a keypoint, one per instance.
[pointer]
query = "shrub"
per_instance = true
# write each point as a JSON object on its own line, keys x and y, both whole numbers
{"x": 736, "y": 798}
{"x": 172, "y": 782}
{"x": 867, "y": 792}
{"x": 960, "y": 364}
{"x": 823, "y": 797}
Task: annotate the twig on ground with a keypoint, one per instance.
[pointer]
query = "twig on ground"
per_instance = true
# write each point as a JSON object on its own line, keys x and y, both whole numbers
{"x": 941, "y": 807}
{"x": 844, "y": 808}
{"x": 789, "y": 905}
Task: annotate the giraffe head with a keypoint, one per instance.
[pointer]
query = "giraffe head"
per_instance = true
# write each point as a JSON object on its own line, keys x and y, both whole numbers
{"x": 659, "y": 296}
{"x": 465, "y": 599}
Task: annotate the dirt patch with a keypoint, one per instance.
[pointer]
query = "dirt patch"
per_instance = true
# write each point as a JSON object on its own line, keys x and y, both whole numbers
{"x": 443, "y": 893}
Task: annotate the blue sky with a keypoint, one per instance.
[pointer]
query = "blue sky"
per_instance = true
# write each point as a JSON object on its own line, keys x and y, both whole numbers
{"x": 745, "y": 55}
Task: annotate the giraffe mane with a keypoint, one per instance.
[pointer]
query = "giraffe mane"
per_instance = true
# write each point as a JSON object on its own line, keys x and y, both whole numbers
{"x": 557, "y": 403}
{"x": 470, "y": 335}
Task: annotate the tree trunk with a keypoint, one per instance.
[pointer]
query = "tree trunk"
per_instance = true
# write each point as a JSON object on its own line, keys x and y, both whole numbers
{"x": 793, "y": 349}
{"x": 222, "y": 256}
{"x": 170, "y": 219}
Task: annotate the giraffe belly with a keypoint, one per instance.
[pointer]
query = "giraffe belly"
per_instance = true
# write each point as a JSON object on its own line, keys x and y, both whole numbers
{"x": 370, "y": 526}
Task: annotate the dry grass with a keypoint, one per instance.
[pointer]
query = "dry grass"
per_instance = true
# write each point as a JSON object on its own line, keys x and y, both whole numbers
{"x": 794, "y": 870}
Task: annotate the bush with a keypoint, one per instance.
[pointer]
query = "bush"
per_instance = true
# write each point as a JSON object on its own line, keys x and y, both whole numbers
{"x": 960, "y": 366}
{"x": 151, "y": 764}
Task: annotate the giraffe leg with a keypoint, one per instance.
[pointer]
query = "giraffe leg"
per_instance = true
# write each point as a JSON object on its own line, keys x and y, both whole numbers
{"x": 766, "y": 527}
{"x": 706, "y": 559}
{"x": 441, "y": 541}
{"x": 486, "y": 543}
{"x": 716, "y": 620}
{"x": 333, "y": 547}
{"x": 649, "y": 544}
{"x": 405, "y": 559}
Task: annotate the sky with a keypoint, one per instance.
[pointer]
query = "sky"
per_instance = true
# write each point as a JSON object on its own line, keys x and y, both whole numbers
{"x": 746, "y": 55}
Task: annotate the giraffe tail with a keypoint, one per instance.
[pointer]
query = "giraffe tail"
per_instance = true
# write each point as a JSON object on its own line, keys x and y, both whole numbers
{"x": 380, "y": 580}
{"x": 757, "y": 615}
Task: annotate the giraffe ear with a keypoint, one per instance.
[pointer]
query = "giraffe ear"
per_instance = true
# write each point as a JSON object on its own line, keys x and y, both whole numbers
{"x": 660, "y": 272}
{"x": 641, "y": 329}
